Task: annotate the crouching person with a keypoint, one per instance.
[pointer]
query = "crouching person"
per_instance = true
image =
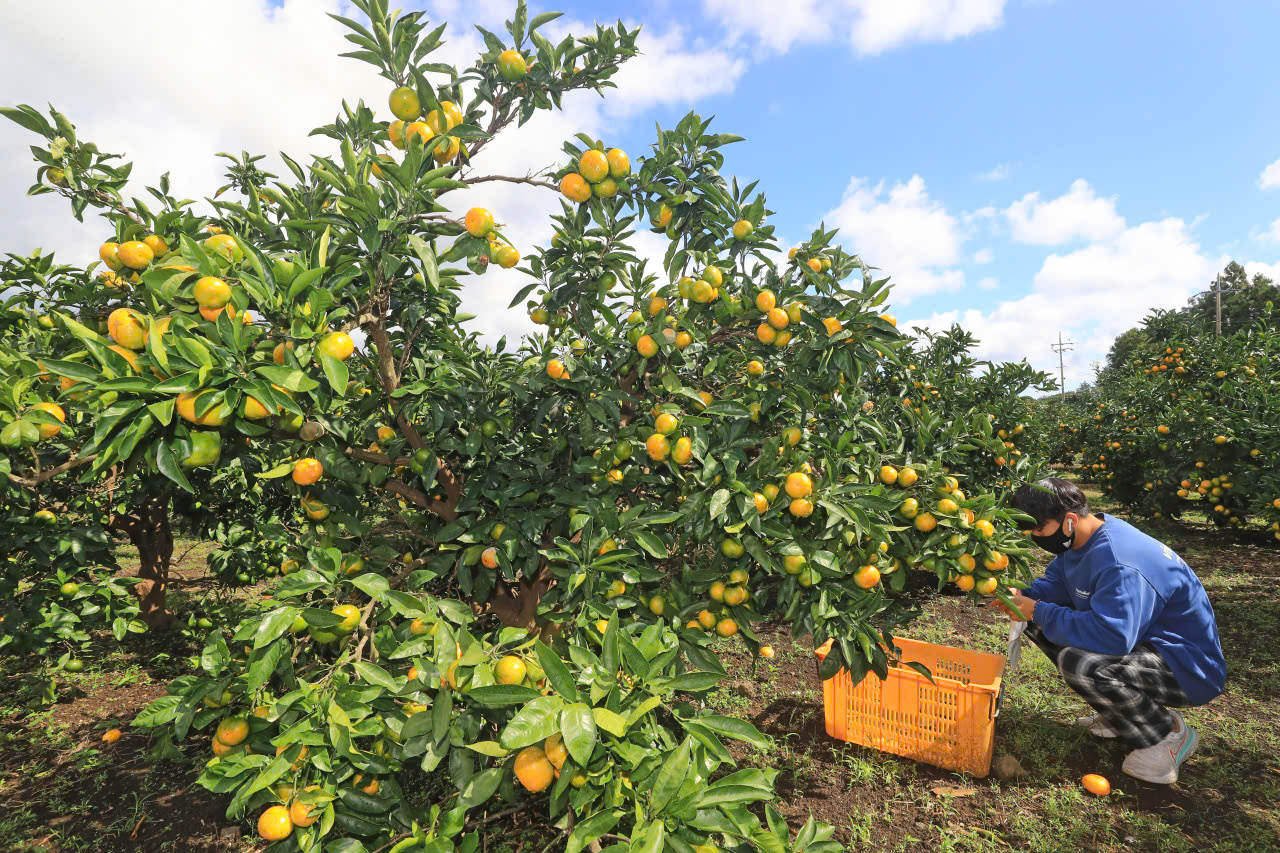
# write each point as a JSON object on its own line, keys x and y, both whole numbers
{"x": 1127, "y": 623}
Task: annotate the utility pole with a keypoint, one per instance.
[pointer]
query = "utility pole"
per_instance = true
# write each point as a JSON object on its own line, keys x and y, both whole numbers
{"x": 1060, "y": 347}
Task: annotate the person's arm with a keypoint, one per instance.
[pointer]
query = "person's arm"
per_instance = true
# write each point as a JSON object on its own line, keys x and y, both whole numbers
{"x": 1123, "y": 607}
{"x": 1050, "y": 587}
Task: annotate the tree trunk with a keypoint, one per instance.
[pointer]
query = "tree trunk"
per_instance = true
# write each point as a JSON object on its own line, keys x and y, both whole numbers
{"x": 147, "y": 527}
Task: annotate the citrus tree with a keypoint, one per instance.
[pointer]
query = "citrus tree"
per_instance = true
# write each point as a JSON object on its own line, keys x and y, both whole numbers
{"x": 506, "y": 572}
{"x": 1187, "y": 422}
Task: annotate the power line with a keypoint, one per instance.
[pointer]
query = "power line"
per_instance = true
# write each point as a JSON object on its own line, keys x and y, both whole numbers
{"x": 1060, "y": 347}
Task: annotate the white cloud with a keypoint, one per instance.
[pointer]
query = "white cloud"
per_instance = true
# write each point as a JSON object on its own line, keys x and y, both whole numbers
{"x": 1090, "y": 295}
{"x": 988, "y": 283}
{"x": 277, "y": 75}
{"x": 903, "y": 231}
{"x": 1077, "y": 215}
{"x": 1271, "y": 271}
{"x": 1270, "y": 177}
{"x": 983, "y": 256}
{"x": 873, "y": 26}
{"x": 1000, "y": 172}
{"x": 1272, "y": 233}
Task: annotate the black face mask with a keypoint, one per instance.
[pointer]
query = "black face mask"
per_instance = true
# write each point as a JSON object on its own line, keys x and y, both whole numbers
{"x": 1058, "y": 542}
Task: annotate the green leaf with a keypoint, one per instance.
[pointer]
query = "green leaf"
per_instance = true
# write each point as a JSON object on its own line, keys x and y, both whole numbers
{"x": 275, "y": 624}
{"x": 612, "y": 722}
{"x": 649, "y": 542}
{"x": 168, "y": 466}
{"x": 288, "y": 377}
{"x": 719, "y": 502}
{"x": 592, "y": 828}
{"x": 335, "y": 371}
{"x": 374, "y": 674}
{"x": 558, "y": 675}
{"x": 488, "y": 747}
{"x": 578, "y": 728}
{"x": 372, "y": 584}
{"x": 501, "y": 695}
{"x": 535, "y": 722}
{"x": 671, "y": 776}
{"x": 735, "y": 728}
{"x": 481, "y": 787}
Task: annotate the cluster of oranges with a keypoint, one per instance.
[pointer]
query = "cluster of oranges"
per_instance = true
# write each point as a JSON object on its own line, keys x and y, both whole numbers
{"x": 1171, "y": 359}
{"x": 773, "y": 331}
{"x": 479, "y": 223}
{"x": 536, "y": 767}
{"x": 599, "y": 173}
{"x": 406, "y": 106}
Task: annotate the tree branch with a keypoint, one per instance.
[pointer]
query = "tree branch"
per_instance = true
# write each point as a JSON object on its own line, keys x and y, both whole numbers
{"x": 513, "y": 180}
{"x": 50, "y": 473}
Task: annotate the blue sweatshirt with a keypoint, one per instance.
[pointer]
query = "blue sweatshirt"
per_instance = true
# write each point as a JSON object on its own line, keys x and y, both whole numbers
{"x": 1124, "y": 588}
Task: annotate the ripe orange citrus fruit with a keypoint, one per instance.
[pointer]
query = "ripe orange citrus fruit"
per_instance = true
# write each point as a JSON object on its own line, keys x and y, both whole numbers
{"x": 275, "y": 824}
{"x": 663, "y": 219}
{"x": 135, "y": 254}
{"x": 965, "y": 582}
{"x": 666, "y": 423}
{"x": 215, "y": 416}
{"x": 224, "y": 245}
{"x": 126, "y": 328}
{"x": 109, "y": 253}
{"x": 682, "y": 453}
{"x": 575, "y": 188}
{"x": 478, "y": 222}
{"x": 511, "y": 65}
{"x": 307, "y": 471}
{"x": 799, "y": 485}
{"x": 987, "y": 586}
{"x": 742, "y": 229}
{"x": 716, "y": 591}
{"x": 814, "y": 264}
{"x": 314, "y": 508}
{"x": 647, "y": 346}
{"x": 1095, "y": 784}
{"x": 50, "y": 430}
{"x": 619, "y": 163}
{"x": 866, "y": 576}
{"x": 533, "y": 769}
{"x": 338, "y": 345}
{"x": 888, "y": 475}
{"x": 778, "y": 318}
{"x": 766, "y": 334}
{"x": 350, "y": 615}
{"x": 212, "y": 292}
{"x": 111, "y": 736}
{"x": 489, "y": 557}
{"x": 925, "y": 522}
{"x": 657, "y": 446}
{"x": 801, "y": 508}
{"x": 305, "y": 814}
{"x": 506, "y": 256}
{"x": 593, "y": 165}
{"x": 726, "y": 627}
{"x": 510, "y": 670}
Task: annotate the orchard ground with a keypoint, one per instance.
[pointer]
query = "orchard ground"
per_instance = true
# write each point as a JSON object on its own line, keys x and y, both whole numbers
{"x": 62, "y": 789}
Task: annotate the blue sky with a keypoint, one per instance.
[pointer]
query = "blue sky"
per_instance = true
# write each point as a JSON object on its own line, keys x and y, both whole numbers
{"x": 1023, "y": 167}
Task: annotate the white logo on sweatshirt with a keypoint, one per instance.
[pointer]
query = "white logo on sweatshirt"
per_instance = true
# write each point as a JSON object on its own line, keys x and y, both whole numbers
{"x": 1083, "y": 593}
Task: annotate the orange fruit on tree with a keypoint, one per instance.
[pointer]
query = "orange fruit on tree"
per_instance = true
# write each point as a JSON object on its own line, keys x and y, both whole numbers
{"x": 792, "y": 435}
{"x": 511, "y": 65}
{"x": 985, "y": 528}
{"x": 967, "y": 563}
{"x": 801, "y": 508}
{"x": 666, "y": 423}
{"x": 305, "y": 814}
{"x": 619, "y": 163}
{"x": 888, "y": 475}
{"x": 716, "y": 591}
{"x": 224, "y": 245}
{"x": 478, "y": 222}
{"x": 948, "y": 506}
{"x": 658, "y": 447}
{"x": 593, "y": 165}
{"x": 925, "y": 522}
{"x": 814, "y": 264}
{"x": 647, "y": 346}
{"x": 135, "y": 254}
{"x": 417, "y": 129}
{"x": 109, "y": 253}
{"x": 766, "y": 301}
{"x": 232, "y": 730}
{"x": 742, "y": 229}
{"x": 706, "y": 619}
{"x": 778, "y": 318}
{"x": 761, "y": 502}
{"x": 212, "y": 292}
{"x": 832, "y": 325}
{"x": 50, "y": 430}
{"x": 907, "y": 477}
{"x": 215, "y": 416}
{"x": 314, "y": 508}
{"x": 274, "y": 824}
{"x": 910, "y": 508}
{"x": 404, "y": 103}
{"x": 987, "y": 586}
{"x": 219, "y": 748}
{"x": 682, "y": 453}
{"x": 126, "y": 328}
{"x": 396, "y": 133}
{"x": 575, "y": 188}
{"x": 766, "y": 334}
{"x": 755, "y": 367}
{"x": 307, "y": 471}
{"x": 656, "y": 305}
{"x": 510, "y": 670}
{"x": 350, "y": 616}
{"x": 556, "y": 369}
{"x": 890, "y": 319}
{"x": 656, "y": 606}
{"x": 533, "y": 769}
{"x": 965, "y": 582}
{"x": 338, "y": 345}
{"x": 683, "y": 339}
{"x": 799, "y": 485}
{"x": 726, "y": 627}
{"x": 447, "y": 117}
{"x": 663, "y": 217}
{"x": 996, "y": 562}
{"x": 866, "y": 576}
{"x": 506, "y": 256}
{"x": 734, "y": 595}
{"x": 448, "y": 150}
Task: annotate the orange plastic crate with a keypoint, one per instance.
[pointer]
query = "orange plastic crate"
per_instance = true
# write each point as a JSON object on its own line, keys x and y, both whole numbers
{"x": 949, "y": 723}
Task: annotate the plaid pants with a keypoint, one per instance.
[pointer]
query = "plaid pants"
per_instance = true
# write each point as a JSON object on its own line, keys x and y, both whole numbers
{"x": 1130, "y": 691}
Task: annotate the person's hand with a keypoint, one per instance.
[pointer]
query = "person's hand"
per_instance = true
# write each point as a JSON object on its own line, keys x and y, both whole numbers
{"x": 1024, "y": 606}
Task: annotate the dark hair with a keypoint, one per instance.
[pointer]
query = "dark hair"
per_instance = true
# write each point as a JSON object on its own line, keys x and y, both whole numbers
{"x": 1050, "y": 499}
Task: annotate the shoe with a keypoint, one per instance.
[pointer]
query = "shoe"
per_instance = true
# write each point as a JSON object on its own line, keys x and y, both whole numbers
{"x": 1159, "y": 764}
{"x": 1096, "y": 725}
